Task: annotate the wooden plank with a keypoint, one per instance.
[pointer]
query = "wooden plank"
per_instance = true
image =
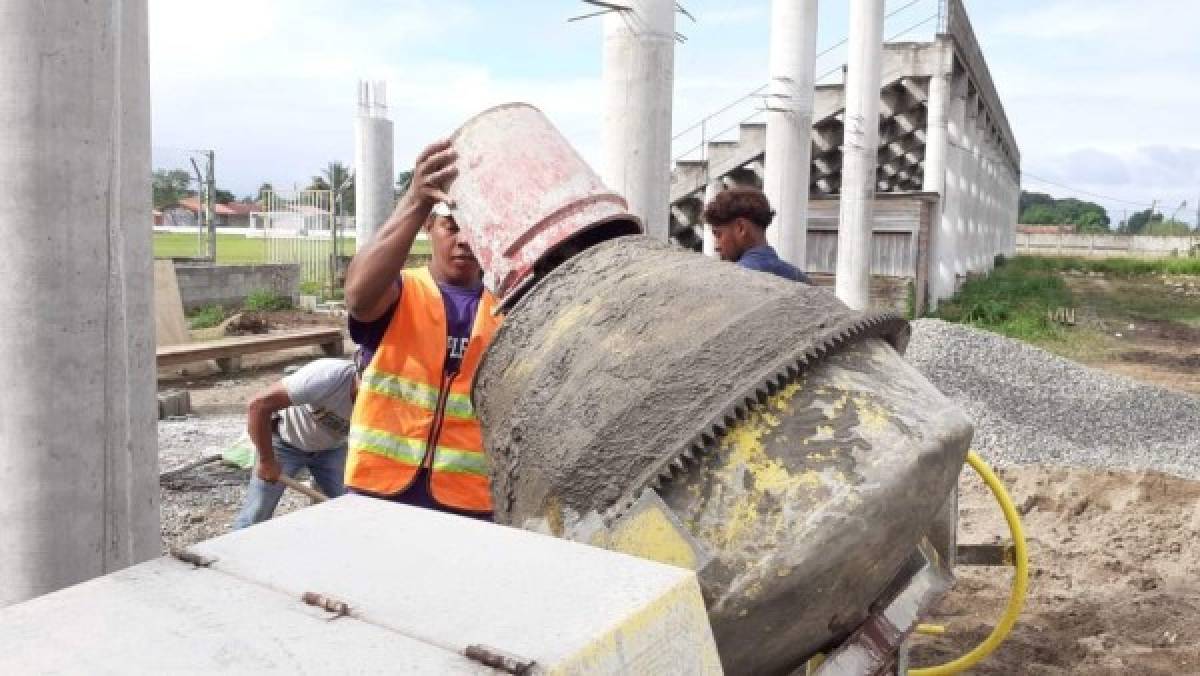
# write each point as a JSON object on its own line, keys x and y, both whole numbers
{"x": 236, "y": 346}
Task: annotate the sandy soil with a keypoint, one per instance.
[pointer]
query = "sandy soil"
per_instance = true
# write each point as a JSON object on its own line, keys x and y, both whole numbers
{"x": 1114, "y": 576}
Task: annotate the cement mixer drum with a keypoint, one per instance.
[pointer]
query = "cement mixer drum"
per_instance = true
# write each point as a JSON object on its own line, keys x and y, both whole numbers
{"x": 652, "y": 401}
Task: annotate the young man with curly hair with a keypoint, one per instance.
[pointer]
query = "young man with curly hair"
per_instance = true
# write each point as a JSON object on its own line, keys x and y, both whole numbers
{"x": 739, "y": 218}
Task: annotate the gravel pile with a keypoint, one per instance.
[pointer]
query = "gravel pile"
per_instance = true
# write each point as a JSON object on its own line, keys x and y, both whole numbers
{"x": 201, "y": 503}
{"x": 1030, "y": 406}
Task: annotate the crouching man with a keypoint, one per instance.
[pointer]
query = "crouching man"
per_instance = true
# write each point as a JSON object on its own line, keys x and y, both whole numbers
{"x": 300, "y": 422}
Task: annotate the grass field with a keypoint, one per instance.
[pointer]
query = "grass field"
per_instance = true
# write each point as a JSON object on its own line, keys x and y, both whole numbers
{"x": 1014, "y": 300}
{"x": 233, "y": 249}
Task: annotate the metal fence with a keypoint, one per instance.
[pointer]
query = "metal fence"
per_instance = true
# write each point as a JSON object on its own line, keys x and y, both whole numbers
{"x": 302, "y": 227}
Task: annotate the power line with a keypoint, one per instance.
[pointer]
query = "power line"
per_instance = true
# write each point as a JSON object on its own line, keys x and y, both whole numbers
{"x": 1026, "y": 174}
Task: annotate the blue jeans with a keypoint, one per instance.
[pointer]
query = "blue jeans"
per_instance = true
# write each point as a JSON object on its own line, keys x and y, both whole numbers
{"x": 327, "y": 468}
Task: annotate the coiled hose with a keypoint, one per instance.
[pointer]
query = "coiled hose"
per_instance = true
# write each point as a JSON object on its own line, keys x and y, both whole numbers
{"x": 1016, "y": 599}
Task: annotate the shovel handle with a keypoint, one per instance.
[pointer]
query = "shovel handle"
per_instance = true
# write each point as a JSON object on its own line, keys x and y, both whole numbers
{"x": 301, "y": 488}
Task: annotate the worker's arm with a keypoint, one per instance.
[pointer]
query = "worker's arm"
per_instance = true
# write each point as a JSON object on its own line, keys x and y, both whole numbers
{"x": 258, "y": 426}
{"x": 371, "y": 277}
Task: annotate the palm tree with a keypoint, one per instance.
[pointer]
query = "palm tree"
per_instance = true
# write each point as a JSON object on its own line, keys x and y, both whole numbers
{"x": 340, "y": 179}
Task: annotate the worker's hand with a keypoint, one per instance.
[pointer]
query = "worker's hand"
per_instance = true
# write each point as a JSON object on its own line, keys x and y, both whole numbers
{"x": 268, "y": 470}
{"x": 433, "y": 173}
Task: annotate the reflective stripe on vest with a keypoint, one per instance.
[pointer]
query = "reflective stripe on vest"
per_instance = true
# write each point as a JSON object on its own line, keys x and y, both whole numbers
{"x": 396, "y": 406}
{"x": 417, "y": 394}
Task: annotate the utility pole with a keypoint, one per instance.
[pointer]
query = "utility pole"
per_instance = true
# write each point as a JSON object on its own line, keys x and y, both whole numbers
{"x": 205, "y": 194}
{"x": 210, "y": 189}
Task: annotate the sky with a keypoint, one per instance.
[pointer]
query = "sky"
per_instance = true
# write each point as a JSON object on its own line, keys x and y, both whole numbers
{"x": 1102, "y": 95}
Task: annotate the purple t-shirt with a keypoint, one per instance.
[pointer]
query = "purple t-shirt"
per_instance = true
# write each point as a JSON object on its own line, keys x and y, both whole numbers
{"x": 461, "y": 305}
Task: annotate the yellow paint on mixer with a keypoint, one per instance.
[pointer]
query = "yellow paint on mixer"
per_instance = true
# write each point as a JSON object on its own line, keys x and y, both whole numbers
{"x": 871, "y": 415}
{"x": 743, "y": 451}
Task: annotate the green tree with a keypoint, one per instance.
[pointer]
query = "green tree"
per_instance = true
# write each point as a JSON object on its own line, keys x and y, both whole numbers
{"x": 224, "y": 197}
{"x": 1040, "y": 214}
{"x": 1170, "y": 227}
{"x": 1041, "y": 209}
{"x": 169, "y": 186}
{"x": 318, "y": 183}
{"x": 1137, "y": 223}
{"x": 403, "y": 179}
{"x": 340, "y": 178}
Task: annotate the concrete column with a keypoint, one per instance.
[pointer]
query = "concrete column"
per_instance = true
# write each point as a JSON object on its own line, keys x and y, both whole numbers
{"x": 709, "y": 248}
{"x": 948, "y": 238}
{"x": 971, "y": 174}
{"x": 789, "y": 124}
{"x": 860, "y": 146}
{"x": 1013, "y": 177}
{"x": 639, "y": 66}
{"x": 937, "y": 150}
{"x": 938, "y": 107}
{"x": 79, "y": 462}
{"x": 374, "y": 162}
{"x": 998, "y": 200}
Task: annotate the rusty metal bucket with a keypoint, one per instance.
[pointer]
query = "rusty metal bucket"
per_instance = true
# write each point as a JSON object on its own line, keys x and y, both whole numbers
{"x": 526, "y": 199}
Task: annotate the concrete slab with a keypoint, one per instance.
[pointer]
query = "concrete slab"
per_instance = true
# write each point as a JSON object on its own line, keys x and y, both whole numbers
{"x": 453, "y": 582}
{"x": 166, "y": 616}
{"x": 419, "y": 588}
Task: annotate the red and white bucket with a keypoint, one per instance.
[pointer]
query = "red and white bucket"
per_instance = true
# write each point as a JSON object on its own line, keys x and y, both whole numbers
{"x": 526, "y": 199}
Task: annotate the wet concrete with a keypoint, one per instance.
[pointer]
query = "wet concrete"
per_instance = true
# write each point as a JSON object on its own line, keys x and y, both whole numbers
{"x": 624, "y": 357}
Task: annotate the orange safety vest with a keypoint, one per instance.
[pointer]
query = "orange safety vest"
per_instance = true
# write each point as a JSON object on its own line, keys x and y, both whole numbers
{"x": 406, "y": 402}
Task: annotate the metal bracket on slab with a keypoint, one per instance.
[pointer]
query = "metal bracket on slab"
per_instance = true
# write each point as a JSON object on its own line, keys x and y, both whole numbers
{"x": 327, "y": 603}
{"x": 498, "y": 659}
{"x": 197, "y": 560}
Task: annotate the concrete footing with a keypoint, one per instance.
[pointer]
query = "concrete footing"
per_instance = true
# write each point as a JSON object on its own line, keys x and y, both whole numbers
{"x": 174, "y": 403}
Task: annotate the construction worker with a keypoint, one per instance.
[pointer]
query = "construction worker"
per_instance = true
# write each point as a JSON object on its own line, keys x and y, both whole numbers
{"x": 739, "y": 218}
{"x": 414, "y": 437}
{"x": 299, "y": 422}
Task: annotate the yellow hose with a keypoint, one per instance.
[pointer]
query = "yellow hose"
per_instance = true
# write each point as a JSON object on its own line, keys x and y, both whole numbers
{"x": 1016, "y": 599}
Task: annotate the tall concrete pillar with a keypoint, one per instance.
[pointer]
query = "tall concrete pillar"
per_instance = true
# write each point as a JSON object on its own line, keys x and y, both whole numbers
{"x": 789, "y": 124}
{"x": 638, "y": 74}
{"x": 948, "y": 240}
{"x": 374, "y": 162}
{"x": 972, "y": 175}
{"x": 78, "y": 457}
{"x": 711, "y": 190}
{"x": 937, "y": 151}
{"x": 995, "y": 189}
{"x": 860, "y": 147}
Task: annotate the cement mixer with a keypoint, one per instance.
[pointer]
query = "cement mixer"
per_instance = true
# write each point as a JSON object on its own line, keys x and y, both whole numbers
{"x": 646, "y": 399}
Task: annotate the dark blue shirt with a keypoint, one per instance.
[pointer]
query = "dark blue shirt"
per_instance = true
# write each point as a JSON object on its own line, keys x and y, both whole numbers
{"x": 764, "y": 259}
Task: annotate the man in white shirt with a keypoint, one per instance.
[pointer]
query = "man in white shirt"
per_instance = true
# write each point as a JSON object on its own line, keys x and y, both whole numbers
{"x": 300, "y": 422}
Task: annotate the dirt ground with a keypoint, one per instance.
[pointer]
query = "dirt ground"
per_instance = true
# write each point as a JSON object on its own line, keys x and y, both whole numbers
{"x": 1114, "y": 575}
{"x": 1147, "y": 328}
